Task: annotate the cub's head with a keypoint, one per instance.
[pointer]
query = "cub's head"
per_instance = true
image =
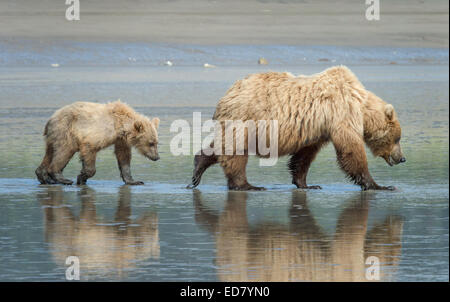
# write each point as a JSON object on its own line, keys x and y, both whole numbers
{"x": 382, "y": 131}
{"x": 145, "y": 137}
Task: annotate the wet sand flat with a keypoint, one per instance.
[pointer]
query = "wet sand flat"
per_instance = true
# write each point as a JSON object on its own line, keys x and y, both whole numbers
{"x": 162, "y": 231}
{"x": 402, "y": 23}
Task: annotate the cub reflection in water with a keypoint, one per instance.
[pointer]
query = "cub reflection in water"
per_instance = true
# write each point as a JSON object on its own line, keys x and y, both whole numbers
{"x": 103, "y": 248}
{"x": 300, "y": 250}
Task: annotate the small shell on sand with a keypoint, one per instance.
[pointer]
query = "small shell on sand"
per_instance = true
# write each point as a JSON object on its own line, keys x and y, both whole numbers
{"x": 55, "y": 65}
{"x": 168, "y": 63}
{"x": 206, "y": 65}
{"x": 262, "y": 61}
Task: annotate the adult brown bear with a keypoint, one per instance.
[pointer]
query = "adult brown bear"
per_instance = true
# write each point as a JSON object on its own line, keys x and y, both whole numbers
{"x": 311, "y": 111}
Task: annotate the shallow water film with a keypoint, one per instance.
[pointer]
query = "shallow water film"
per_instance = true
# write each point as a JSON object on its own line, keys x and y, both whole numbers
{"x": 162, "y": 231}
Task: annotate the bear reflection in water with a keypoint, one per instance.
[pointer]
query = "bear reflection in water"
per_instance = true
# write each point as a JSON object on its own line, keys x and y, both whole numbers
{"x": 301, "y": 250}
{"x": 102, "y": 247}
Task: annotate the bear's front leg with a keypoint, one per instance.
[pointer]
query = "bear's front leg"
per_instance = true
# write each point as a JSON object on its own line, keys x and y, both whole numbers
{"x": 125, "y": 173}
{"x": 123, "y": 155}
{"x": 351, "y": 156}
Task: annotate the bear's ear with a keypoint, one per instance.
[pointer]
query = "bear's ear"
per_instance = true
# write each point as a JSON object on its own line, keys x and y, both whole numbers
{"x": 389, "y": 111}
{"x": 138, "y": 126}
{"x": 155, "y": 122}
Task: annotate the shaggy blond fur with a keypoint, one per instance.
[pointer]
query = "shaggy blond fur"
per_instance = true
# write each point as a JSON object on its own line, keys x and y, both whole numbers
{"x": 311, "y": 110}
{"x": 88, "y": 128}
{"x": 300, "y": 250}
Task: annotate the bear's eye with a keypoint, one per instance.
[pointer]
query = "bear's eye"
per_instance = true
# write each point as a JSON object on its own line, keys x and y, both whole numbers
{"x": 151, "y": 144}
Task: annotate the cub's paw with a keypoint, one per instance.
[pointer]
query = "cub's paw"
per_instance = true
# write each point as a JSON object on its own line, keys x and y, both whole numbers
{"x": 134, "y": 183}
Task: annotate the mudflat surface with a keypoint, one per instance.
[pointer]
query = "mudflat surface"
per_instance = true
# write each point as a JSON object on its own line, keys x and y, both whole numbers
{"x": 402, "y": 23}
{"x": 164, "y": 232}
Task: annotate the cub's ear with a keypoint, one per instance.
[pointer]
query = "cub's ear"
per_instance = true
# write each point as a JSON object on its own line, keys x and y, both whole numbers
{"x": 389, "y": 111}
{"x": 155, "y": 122}
{"x": 138, "y": 126}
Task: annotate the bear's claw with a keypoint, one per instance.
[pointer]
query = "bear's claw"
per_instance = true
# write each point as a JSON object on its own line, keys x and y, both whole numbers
{"x": 247, "y": 188}
{"x": 388, "y": 188}
{"x": 380, "y": 188}
{"x": 310, "y": 187}
{"x": 194, "y": 184}
{"x": 57, "y": 178}
{"x": 44, "y": 178}
{"x": 65, "y": 181}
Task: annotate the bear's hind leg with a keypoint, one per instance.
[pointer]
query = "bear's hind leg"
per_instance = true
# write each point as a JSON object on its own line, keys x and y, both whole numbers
{"x": 234, "y": 168}
{"x": 41, "y": 172}
{"x": 201, "y": 163}
{"x": 59, "y": 161}
{"x": 299, "y": 165}
{"x": 88, "y": 170}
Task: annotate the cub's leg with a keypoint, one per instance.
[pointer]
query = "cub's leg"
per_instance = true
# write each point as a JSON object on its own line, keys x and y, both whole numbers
{"x": 123, "y": 155}
{"x": 201, "y": 163}
{"x": 351, "y": 156}
{"x": 42, "y": 170}
{"x": 60, "y": 159}
{"x": 88, "y": 158}
{"x": 300, "y": 162}
{"x": 234, "y": 168}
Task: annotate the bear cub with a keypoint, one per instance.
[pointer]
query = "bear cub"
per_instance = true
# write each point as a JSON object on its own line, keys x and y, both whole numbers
{"x": 88, "y": 128}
